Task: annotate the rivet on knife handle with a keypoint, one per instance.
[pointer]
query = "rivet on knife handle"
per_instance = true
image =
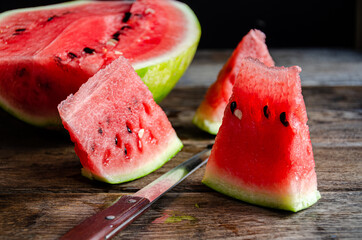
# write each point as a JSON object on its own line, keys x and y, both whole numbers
{"x": 112, "y": 219}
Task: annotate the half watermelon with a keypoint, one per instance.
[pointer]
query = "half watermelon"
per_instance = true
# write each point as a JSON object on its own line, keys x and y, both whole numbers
{"x": 119, "y": 132}
{"x": 209, "y": 114}
{"x": 262, "y": 152}
{"x": 46, "y": 53}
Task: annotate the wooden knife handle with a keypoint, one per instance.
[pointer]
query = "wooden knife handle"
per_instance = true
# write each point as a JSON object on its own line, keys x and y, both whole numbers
{"x": 108, "y": 222}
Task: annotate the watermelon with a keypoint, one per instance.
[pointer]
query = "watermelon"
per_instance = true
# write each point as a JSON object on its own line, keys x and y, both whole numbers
{"x": 48, "y": 52}
{"x": 119, "y": 131}
{"x": 263, "y": 152}
{"x": 208, "y": 116}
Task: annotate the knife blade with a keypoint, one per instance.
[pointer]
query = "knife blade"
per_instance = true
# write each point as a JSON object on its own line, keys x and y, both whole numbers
{"x": 106, "y": 223}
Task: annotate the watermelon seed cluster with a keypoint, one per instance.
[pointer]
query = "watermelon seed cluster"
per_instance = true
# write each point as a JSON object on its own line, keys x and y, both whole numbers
{"x": 140, "y": 135}
{"x": 282, "y": 117}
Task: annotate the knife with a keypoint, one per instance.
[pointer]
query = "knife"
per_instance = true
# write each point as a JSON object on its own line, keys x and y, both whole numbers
{"x": 105, "y": 224}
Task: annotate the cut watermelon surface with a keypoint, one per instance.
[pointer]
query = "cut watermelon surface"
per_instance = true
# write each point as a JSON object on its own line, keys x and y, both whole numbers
{"x": 119, "y": 132}
{"x": 209, "y": 114}
{"x": 46, "y": 53}
{"x": 262, "y": 152}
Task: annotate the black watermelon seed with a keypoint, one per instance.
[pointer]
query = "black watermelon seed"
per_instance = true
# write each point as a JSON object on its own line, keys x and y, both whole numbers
{"x": 129, "y": 130}
{"x": 88, "y": 50}
{"x": 100, "y": 131}
{"x": 115, "y": 36}
{"x": 116, "y": 140}
{"x": 127, "y": 15}
{"x": 283, "y": 119}
{"x": 72, "y": 55}
{"x": 58, "y": 60}
{"x": 232, "y": 107}
{"x": 21, "y": 72}
{"x": 125, "y": 151}
{"x": 51, "y": 18}
{"x": 266, "y": 111}
{"x": 20, "y": 30}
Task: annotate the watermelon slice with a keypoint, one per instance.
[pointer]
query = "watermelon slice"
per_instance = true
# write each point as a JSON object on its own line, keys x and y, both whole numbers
{"x": 262, "y": 152}
{"x": 119, "y": 132}
{"x": 209, "y": 114}
{"x": 46, "y": 53}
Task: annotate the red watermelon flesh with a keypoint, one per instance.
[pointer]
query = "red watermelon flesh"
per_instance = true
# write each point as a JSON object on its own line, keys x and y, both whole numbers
{"x": 46, "y": 53}
{"x": 210, "y": 112}
{"x": 262, "y": 152}
{"x": 119, "y": 132}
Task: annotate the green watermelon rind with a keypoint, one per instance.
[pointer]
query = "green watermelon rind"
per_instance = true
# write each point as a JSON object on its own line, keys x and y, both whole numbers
{"x": 160, "y": 74}
{"x": 174, "y": 146}
{"x": 261, "y": 198}
{"x": 161, "y": 78}
{"x": 28, "y": 119}
{"x": 167, "y": 69}
{"x": 205, "y": 124}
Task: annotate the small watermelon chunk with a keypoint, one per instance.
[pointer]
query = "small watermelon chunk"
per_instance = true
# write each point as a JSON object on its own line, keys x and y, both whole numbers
{"x": 119, "y": 131}
{"x": 209, "y": 114}
{"x": 262, "y": 152}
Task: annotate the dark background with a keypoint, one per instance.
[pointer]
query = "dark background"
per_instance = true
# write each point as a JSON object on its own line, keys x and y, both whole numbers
{"x": 286, "y": 23}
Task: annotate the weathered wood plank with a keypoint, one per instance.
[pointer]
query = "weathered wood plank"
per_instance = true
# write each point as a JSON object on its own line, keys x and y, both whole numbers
{"x": 220, "y": 217}
{"x": 338, "y": 169}
{"x": 184, "y": 215}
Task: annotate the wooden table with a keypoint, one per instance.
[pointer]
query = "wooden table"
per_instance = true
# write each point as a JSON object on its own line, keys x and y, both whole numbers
{"x": 43, "y": 194}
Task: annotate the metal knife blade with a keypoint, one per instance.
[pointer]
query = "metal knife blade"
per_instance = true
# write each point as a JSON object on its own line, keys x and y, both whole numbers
{"x": 105, "y": 224}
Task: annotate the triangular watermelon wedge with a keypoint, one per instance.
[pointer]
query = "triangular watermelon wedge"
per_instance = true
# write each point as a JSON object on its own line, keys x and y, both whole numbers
{"x": 119, "y": 131}
{"x": 209, "y": 114}
{"x": 262, "y": 152}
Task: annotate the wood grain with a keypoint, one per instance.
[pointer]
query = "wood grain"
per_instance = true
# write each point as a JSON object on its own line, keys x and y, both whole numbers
{"x": 43, "y": 195}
